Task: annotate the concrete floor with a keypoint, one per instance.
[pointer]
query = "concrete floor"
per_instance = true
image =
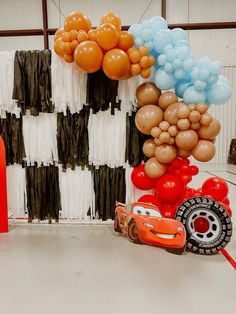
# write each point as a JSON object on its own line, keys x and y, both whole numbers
{"x": 79, "y": 269}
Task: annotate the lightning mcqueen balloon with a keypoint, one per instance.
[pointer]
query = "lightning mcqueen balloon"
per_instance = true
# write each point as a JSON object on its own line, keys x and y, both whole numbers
{"x": 143, "y": 223}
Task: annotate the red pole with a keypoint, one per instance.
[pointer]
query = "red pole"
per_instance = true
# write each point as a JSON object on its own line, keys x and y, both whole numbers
{"x": 3, "y": 190}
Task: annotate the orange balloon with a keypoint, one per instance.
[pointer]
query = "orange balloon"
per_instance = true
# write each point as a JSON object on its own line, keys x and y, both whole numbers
{"x": 59, "y": 33}
{"x": 111, "y": 18}
{"x": 126, "y": 40}
{"x": 69, "y": 58}
{"x": 73, "y": 35}
{"x": 134, "y": 54}
{"x": 92, "y": 34}
{"x": 66, "y": 37}
{"x": 144, "y": 62}
{"x": 77, "y": 21}
{"x": 152, "y": 60}
{"x": 143, "y": 50}
{"x": 67, "y": 48}
{"x": 82, "y": 36}
{"x": 88, "y": 56}
{"x": 145, "y": 73}
{"x": 135, "y": 69}
{"x": 59, "y": 47}
{"x": 108, "y": 36}
{"x": 74, "y": 44}
{"x": 116, "y": 64}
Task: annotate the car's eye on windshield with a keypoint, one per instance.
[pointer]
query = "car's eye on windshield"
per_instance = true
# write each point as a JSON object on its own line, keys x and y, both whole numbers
{"x": 140, "y": 210}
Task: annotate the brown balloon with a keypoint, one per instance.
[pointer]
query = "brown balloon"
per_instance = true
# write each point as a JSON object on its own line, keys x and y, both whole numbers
{"x": 192, "y": 107}
{"x": 194, "y": 116}
{"x": 147, "y": 93}
{"x": 157, "y": 141}
{"x": 213, "y": 140}
{"x": 149, "y": 148}
{"x": 183, "y": 153}
{"x": 164, "y": 137}
{"x": 155, "y": 132}
{"x": 166, "y": 99}
{"x": 186, "y": 139}
{"x": 147, "y": 117}
{"x": 171, "y": 141}
{"x": 183, "y": 124}
{"x": 166, "y": 153}
{"x": 173, "y": 130}
{"x": 211, "y": 131}
{"x": 164, "y": 125}
{"x": 206, "y": 119}
{"x": 202, "y": 108}
{"x": 203, "y": 151}
{"x": 170, "y": 114}
{"x": 154, "y": 169}
{"x": 195, "y": 125}
{"x": 183, "y": 112}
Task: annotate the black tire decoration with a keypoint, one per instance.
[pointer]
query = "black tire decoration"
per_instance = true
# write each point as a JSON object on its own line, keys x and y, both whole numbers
{"x": 208, "y": 225}
{"x": 117, "y": 225}
{"x": 132, "y": 232}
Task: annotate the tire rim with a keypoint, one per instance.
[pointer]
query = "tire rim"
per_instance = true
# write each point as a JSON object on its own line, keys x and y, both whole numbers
{"x": 204, "y": 225}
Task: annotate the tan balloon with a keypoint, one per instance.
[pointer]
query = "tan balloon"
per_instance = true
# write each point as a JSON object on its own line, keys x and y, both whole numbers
{"x": 186, "y": 139}
{"x": 155, "y": 132}
{"x": 164, "y": 125}
{"x": 173, "y": 130}
{"x": 183, "y": 112}
{"x": 149, "y": 148}
{"x": 164, "y": 137}
{"x": 166, "y": 99}
{"x": 157, "y": 141}
{"x": 203, "y": 151}
{"x": 211, "y": 131}
{"x": 170, "y": 114}
{"x": 154, "y": 169}
{"x": 206, "y": 119}
{"x": 195, "y": 126}
{"x": 171, "y": 141}
{"x": 192, "y": 107}
{"x": 166, "y": 153}
{"x": 194, "y": 116}
{"x": 202, "y": 108}
{"x": 183, "y": 124}
{"x": 213, "y": 140}
{"x": 183, "y": 153}
{"x": 147, "y": 93}
{"x": 147, "y": 117}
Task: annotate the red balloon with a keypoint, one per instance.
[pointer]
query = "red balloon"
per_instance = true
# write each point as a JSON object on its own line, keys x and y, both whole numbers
{"x": 177, "y": 172}
{"x": 169, "y": 189}
{"x": 150, "y": 199}
{"x": 216, "y": 187}
{"x": 194, "y": 170}
{"x": 190, "y": 192}
{"x": 185, "y": 161}
{"x": 169, "y": 211}
{"x": 170, "y": 170}
{"x": 185, "y": 169}
{"x": 141, "y": 180}
{"x": 176, "y": 163}
{"x": 185, "y": 178}
{"x": 226, "y": 201}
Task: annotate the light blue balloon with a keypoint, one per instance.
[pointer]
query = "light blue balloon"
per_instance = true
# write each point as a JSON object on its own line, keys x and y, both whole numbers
{"x": 162, "y": 59}
{"x": 223, "y": 79}
{"x": 183, "y": 52}
{"x": 177, "y": 64}
{"x": 212, "y": 79}
{"x": 215, "y": 68}
{"x": 199, "y": 85}
{"x": 194, "y": 73}
{"x": 149, "y": 44}
{"x": 191, "y": 96}
{"x": 168, "y": 48}
{"x": 146, "y": 24}
{"x": 182, "y": 43}
{"x": 136, "y": 30}
{"x": 168, "y": 67}
{"x": 146, "y": 34}
{"x": 204, "y": 62}
{"x": 219, "y": 93}
{"x": 179, "y": 34}
{"x": 203, "y": 74}
{"x": 138, "y": 42}
{"x": 181, "y": 86}
{"x": 157, "y": 23}
{"x": 161, "y": 39}
{"x": 171, "y": 55}
{"x": 179, "y": 74}
{"x": 188, "y": 64}
{"x": 164, "y": 80}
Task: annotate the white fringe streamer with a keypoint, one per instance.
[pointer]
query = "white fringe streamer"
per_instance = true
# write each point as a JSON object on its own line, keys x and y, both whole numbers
{"x": 107, "y": 138}
{"x": 69, "y": 85}
{"x": 77, "y": 194}
{"x": 40, "y": 138}
{"x": 126, "y": 94}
